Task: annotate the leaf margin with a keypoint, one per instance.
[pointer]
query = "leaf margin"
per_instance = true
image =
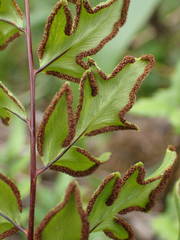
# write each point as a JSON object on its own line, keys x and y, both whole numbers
{"x": 17, "y": 34}
{"x": 8, "y": 93}
{"x": 126, "y": 226}
{"x": 72, "y": 27}
{"x": 140, "y": 180}
{"x": 83, "y": 173}
{"x": 65, "y": 89}
{"x": 16, "y": 193}
{"x": 73, "y": 187}
{"x": 132, "y": 95}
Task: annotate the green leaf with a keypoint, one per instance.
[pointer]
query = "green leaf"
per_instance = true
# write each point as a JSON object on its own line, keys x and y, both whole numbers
{"x": 11, "y": 22}
{"x": 105, "y": 99}
{"x": 79, "y": 162}
{"x": 10, "y": 206}
{"x": 103, "y": 103}
{"x": 76, "y": 30}
{"x": 67, "y": 221}
{"x": 57, "y": 128}
{"x": 9, "y": 105}
{"x": 121, "y": 195}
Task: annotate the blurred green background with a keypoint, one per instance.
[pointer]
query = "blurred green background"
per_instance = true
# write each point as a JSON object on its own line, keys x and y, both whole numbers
{"x": 153, "y": 27}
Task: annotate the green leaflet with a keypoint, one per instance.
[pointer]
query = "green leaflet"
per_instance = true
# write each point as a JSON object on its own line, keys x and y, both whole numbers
{"x": 9, "y": 104}
{"x": 78, "y": 162}
{"x": 57, "y": 128}
{"x": 11, "y": 22}
{"x": 116, "y": 95}
{"x": 103, "y": 103}
{"x": 10, "y": 205}
{"x": 77, "y": 30}
{"x": 132, "y": 192}
{"x": 67, "y": 221}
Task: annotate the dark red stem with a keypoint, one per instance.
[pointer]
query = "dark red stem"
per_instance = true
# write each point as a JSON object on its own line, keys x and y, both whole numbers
{"x": 32, "y": 123}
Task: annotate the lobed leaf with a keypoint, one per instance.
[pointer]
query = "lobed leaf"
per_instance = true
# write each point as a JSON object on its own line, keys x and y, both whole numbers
{"x": 10, "y": 205}
{"x": 103, "y": 103}
{"x": 57, "y": 130}
{"x": 67, "y": 221}
{"x": 79, "y": 162}
{"x": 9, "y": 104}
{"x": 11, "y": 22}
{"x": 131, "y": 193}
{"x": 105, "y": 99}
{"x": 75, "y": 30}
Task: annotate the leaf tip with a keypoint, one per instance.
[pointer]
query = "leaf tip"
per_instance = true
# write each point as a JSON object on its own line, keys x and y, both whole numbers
{"x": 139, "y": 164}
{"x": 105, "y": 156}
{"x": 64, "y": 2}
{"x": 171, "y": 148}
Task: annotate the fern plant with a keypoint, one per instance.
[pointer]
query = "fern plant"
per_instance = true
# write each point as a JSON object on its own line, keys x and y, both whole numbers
{"x": 75, "y": 31}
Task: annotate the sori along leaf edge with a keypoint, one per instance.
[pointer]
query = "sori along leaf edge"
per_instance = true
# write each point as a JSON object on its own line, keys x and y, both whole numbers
{"x": 17, "y": 195}
{"x": 72, "y": 189}
{"x": 7, "y": 107}
{"x": 71, "y": 27}
{"x": 13, "y": 24}
{"x": 132, "y": 93}
{"x": 73, "y": 117}
{"x": 161, "y": 176}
